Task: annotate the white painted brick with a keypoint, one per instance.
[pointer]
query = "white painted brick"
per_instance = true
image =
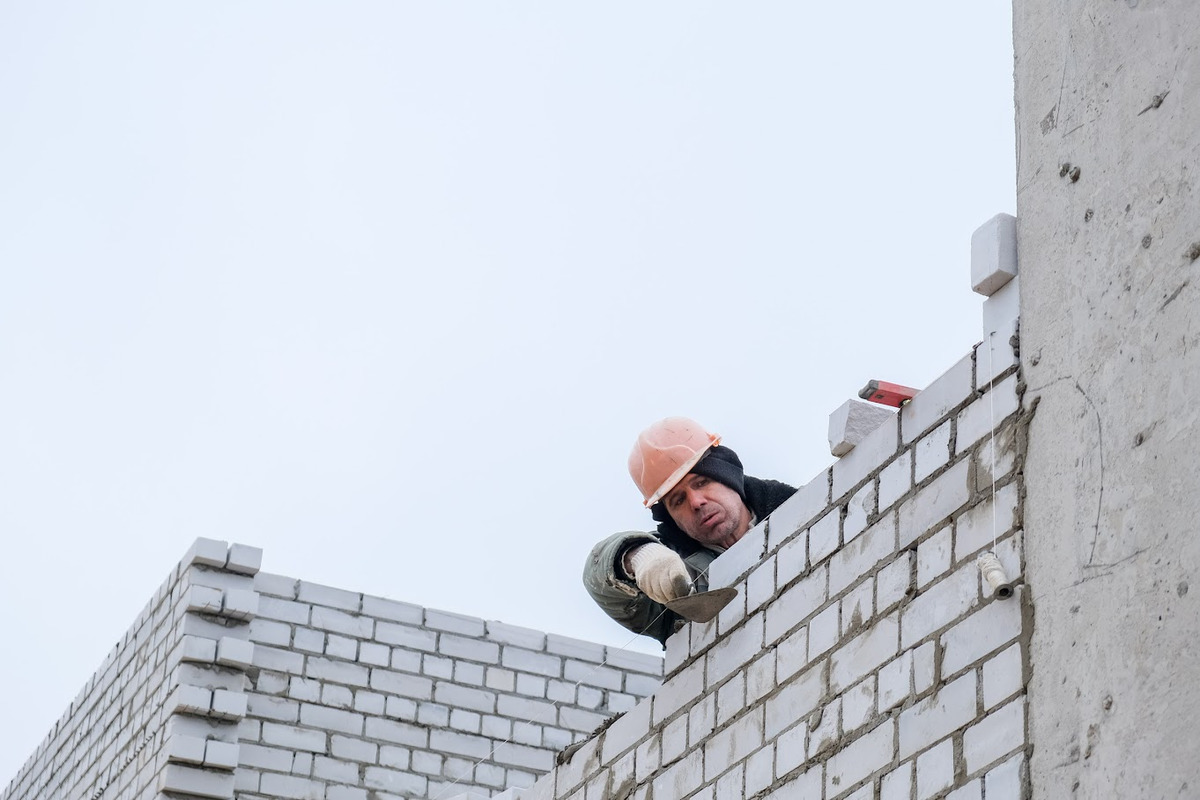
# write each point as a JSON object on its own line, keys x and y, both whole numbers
{"x": 199, "y": 782}
{"x": 414, "y": 686}
{"x": 279, "y": 709}
{"x": 527, "y": 638}
{"x": 923, "y": 667}
{"x": 945, "y": 600}
{"x": 221, "y": 755}
{"x": 293, "y": 738}
{"x": 789, "y": 749}
{"x": 995, "y": 736}
{"x": 934, "y": 503}
{"x": 858, "y": 607}
{"x": 677, "y": 691}
{"x": 375, "y": 654}
{"x": 648, "y": 758}
{"x": 796, "y": 604}
{"x": 858, "y": 705}
{"x": 795, "y": 700}
{"x": 735, "y": 562}
{"x": 468, "y": 674}
{"x": 208, "y": 552}
{"x": 236, "y": 653}
{"x": 932, "y": 452}
{"x": 975, "y": 528}
{"x": 635, "y": 684}
{"x": 852, "y": 422}
{"x": 268, "y": 631}
{"x": 276, "y": 585}
{"x": 625, "y": 732}
{"x": 994, "y": 254}
{"x": 990, "y": 627}
{"x": 188, "y": 700}
{"x": 976, "y": 420}
{"x": 395, "y": 782}
{"x": 327, "y": 769}
{"x": 337, "y": 671}
{"x": 895, "y": 682}
{"x": 894, "y": 582}
{"x": 895, "y": 480}
{"x": 798, "y": 510}
{"x": 732, "y": 614}
{"x": 864, "y": 653}
{"x": 823, "y": 536}
{"x": 823, "y": 632}
{"x": 937, "y": 716}
{"x": 933, "y": 556}
{"x": 733, "y": 743}
{"x": 867, "y": 455}
{"x": 405, "y": 636}
{"x": 862, "y": 757}
{"x": 308, "y": 640}
{"x": 1003, "y": 676}
{"x": 935, "y": 769}
{"x": 760, "y": 676}
{"x": 995, "y": 354}
{"x": 935, "y": 401}
{"x": 633, "y": 661}
{"x": 731, "y": 784}
{"x": 244, "y": 559}
{"x": 731, "y": 653}
{"x": 1007, "y": 781}
{"x": 675, "y": 739}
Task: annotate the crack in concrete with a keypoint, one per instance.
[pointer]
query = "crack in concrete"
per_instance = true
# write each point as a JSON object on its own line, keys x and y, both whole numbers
{"x": 1100, "y": 499}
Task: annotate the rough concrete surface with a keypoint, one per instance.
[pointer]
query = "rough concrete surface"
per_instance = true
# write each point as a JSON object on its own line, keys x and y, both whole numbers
{"x": 1108, "y": 152}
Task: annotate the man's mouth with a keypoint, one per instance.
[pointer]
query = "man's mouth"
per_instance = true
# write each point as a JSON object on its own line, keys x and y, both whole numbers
{"x": 710, "y": 520}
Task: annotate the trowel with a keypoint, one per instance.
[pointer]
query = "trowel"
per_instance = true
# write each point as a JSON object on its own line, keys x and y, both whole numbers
{"x": 702, "y": 606}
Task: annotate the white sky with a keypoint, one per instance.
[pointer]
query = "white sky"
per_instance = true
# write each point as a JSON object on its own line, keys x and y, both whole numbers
{"x": 388, "y": 288}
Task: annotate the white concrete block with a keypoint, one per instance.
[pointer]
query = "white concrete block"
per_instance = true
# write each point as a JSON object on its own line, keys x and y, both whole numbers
{"x": 862, "y": 757}
{"x": 798, "y": 510}
{"x": 858, "y": 706}
{"x": 995, "y": 354}
{"x": 824, "y": 536}
{"x": 789, "y": 749}
{"x": 1003, "y": 676}
{"x": 927, "y": 509}
{"x": 240, "y": 604}
{"x": 221, "y": 755}
{"x": 823, "y": 632}
{"x": 973, "y": 791}
{"x": 864, "y": 653}
{"x": 733, "y": 651}
{"x": 185, "y": 749}
{"x": 732, "y": 744}
{"x": 735, "y": 562}
{"x": 858, "y": 607}
{"x": 791, "y": 655}
{"x": 208, "y": 552}
{"x": 995, "y": 736}
{"x": 244, "y": 559}
{"x": 937, "y": 716}
{"x": 198, "y": 649}
{"x": 946, "y": 600}
{"x": 1003, "y": 308}
{"x": 797, "y": 699}
{"x": 990, "y": 627}
{"x": 1007, "y": 781}
{"x": 935, "y": 769}
{"x": 956, "y": 385}
{"x": 895, "y": 480}
{"x": 994, "y": 254}
{"x": 179, "y": 779}
{"x": 932, "y": 452}
{"x": 233, "y": 652}
{"x": 985, "y": 412}
{"x": 933, "y": 557}
{"x": 204, "y": 600}
{"x": 852, "y": 422}
{"x": 866, "y": 457}
{"x": 895, "y": 682}
{"x": 228, "y": 705}
{"x": 893, "y": 582}
{"x": 860, "y": 555}
{"x": 796, "y": 604}
{"x": 188, "y": 700}
{"x": 897, "y": 784}
{"x": 859, "y": 509}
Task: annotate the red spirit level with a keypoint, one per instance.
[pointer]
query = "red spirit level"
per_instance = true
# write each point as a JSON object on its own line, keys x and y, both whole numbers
{"x": 887, "y": 394}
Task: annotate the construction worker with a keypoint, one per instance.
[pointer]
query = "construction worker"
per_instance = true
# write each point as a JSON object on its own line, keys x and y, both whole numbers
{"x": 703, "y": 502}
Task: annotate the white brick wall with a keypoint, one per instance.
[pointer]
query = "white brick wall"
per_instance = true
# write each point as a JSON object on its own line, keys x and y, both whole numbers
{"x": 866, "y": 661}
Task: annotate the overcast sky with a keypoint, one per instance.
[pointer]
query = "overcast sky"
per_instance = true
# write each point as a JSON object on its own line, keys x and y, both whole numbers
{"x": 389, "y": 288}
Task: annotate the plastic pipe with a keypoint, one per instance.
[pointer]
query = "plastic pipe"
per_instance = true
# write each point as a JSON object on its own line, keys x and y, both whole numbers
{"x": 993, "y": 573}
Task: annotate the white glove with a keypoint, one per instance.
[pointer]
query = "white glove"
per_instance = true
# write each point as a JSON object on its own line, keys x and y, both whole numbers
{"x": 659, "y": 572}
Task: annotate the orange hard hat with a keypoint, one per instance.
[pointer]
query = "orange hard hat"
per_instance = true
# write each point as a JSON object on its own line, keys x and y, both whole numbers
{"x": 665, "y": 452}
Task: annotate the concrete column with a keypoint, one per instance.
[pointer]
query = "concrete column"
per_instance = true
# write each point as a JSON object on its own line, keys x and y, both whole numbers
{"x": 1108, "y": 213}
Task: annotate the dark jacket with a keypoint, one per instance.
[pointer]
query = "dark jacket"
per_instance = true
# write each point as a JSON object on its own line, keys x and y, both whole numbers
{"x": 605, "y": 579}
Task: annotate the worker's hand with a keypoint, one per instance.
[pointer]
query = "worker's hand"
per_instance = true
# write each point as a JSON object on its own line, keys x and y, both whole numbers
{"x": 659, "y": 572}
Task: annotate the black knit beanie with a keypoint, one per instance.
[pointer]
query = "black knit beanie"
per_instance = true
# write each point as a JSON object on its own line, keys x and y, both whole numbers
{"x": 721, "y": 465}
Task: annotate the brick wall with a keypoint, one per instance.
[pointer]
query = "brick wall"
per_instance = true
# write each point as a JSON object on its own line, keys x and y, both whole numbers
{"x": 238, "y": 683}
{"x": 863, "y": 658}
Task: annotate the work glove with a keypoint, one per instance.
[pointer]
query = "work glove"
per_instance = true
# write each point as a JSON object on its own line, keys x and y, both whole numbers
{"x": 659, "y": 572}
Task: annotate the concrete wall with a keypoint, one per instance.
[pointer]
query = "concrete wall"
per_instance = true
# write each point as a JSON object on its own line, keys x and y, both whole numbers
{"x": 238, "y": 683}
{"x": 863, "y": 658}
{"x": 1108, "y": 132}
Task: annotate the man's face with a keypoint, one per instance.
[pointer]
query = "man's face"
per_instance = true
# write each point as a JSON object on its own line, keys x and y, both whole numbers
{"x": 708, "y": 511}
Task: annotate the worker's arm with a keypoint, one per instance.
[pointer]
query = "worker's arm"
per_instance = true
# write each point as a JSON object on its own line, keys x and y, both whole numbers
{"x": 616, "y": 593}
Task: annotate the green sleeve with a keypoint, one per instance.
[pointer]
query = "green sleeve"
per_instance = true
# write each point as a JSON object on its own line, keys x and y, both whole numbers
{"x": 618, "y": 596}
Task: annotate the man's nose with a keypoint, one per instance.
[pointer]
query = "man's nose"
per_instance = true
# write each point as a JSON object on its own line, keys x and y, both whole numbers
{"x": 696, "y": 499}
